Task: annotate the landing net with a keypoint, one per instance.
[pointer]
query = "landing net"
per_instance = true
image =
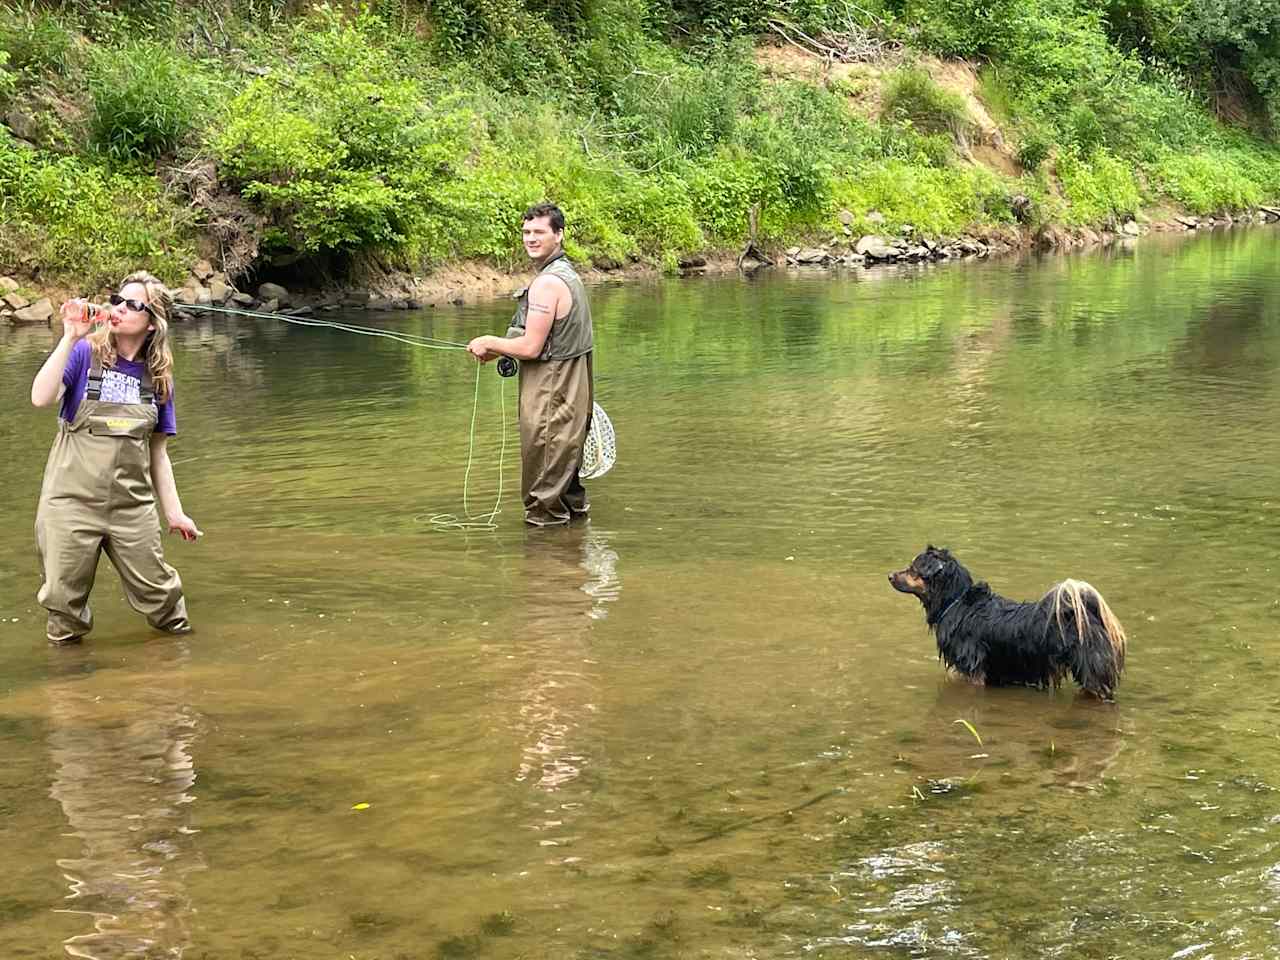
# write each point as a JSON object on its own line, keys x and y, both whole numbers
{"x": 601, "y": 448}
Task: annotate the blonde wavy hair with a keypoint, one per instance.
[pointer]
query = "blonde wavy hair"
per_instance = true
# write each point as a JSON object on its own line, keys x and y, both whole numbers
{"x": 159, "y": 358}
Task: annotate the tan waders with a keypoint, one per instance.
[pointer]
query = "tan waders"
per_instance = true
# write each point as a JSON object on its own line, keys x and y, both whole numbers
{"x": 555, "y": 406}
{"x": 97, "y": 496}
{"x": 555, "y": 411}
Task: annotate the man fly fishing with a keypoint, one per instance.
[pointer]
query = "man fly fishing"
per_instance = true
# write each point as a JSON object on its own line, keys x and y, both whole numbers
{"x": 551, "y": 336}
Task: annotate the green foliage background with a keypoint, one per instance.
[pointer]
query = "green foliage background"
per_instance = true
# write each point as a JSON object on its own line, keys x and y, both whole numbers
{"x": 415, "y": 133}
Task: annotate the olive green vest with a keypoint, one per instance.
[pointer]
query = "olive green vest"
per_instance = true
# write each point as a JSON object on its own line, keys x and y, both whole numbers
{"x": 570, "y": 336}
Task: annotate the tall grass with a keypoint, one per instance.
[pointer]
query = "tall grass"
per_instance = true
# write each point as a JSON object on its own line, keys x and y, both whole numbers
{"x": 911, "y": 95}
{"x": 146, "y": 97}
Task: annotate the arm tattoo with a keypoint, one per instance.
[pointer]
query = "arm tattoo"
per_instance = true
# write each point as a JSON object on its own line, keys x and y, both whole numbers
{"x": 539, "y": 308}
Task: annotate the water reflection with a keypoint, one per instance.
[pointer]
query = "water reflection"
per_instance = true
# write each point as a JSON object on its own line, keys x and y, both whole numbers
{"x": 975, "y": 738}
{"x": 570, "y": 577}
{"x": 123, "y": 771}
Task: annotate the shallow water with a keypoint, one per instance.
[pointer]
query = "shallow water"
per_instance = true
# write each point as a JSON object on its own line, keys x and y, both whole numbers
{"x": 702, "y": 725}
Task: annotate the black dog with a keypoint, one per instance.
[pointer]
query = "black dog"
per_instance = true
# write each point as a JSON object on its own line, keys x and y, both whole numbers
{"x": 997, "y": 641}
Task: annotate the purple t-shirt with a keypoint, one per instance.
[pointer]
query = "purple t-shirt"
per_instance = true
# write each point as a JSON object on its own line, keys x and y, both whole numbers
{"x": 120, "y": 384}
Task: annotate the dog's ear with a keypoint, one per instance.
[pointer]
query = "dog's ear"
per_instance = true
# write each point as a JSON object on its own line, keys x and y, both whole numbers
{"x": 928, "y": 563}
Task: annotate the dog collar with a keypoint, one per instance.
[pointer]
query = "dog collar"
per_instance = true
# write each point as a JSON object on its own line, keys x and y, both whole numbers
{"x": 947, "y": 608}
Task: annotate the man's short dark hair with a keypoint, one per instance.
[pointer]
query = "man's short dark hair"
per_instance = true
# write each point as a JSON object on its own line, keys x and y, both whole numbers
{"x": 550, "y": 210}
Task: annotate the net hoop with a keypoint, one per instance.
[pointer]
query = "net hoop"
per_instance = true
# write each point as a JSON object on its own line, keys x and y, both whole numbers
{"x": 600, "y": 449}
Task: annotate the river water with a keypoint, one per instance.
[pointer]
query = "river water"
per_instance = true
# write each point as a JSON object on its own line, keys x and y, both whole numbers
{"x": 702, "y": 725}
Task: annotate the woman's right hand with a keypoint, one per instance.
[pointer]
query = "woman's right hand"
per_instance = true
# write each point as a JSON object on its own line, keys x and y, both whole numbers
{"x": 76, "y": 323}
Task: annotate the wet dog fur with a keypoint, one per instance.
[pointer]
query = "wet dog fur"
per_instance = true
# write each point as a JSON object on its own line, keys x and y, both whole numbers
{"x": 993, "y": 640}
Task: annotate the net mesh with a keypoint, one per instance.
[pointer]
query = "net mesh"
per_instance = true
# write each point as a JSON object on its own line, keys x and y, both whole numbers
{"x": 600, "y": 449}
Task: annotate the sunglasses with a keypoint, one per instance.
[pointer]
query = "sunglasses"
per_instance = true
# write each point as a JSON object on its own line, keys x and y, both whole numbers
{"x": 137, "y": 306}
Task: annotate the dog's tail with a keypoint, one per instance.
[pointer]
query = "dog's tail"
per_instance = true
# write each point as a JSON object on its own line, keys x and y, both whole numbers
{"x": 1094, "y": 639}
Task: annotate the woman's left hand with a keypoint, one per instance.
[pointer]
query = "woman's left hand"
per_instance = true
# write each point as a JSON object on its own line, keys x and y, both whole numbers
{"x": 186, "y": 526}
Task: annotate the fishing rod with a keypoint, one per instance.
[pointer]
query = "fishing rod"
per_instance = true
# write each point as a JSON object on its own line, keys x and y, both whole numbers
{"x": 506, "y": 366}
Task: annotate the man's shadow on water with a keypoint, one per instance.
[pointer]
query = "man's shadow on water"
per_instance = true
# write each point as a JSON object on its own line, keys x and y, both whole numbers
{"x": 120, "y": 745}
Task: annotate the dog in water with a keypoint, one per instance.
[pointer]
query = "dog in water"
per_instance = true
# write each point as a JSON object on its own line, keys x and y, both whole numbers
{"x": 999, "y": 642}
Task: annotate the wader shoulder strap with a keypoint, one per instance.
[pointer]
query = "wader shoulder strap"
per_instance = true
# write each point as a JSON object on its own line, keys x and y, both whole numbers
{"x": 93, "y": 390}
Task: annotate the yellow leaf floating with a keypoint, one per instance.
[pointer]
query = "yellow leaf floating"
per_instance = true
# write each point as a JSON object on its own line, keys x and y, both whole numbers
{"x": 360, "y": 806}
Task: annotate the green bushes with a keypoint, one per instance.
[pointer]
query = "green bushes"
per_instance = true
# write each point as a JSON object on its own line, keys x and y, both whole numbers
{"x": 961, "y": 28}
{"x": 1210, "y": 182}
{"x": 342, "y": 152}
{"x": 1222, "y": 44}
{"x": 81, "y": 221}
{"x": 670, "y": 107}
{"x": 511, "y": 43}
{"x": 934, "y": 201}
{"x": 1098, "y": 189}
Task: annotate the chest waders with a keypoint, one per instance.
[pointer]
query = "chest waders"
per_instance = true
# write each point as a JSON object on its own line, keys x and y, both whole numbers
{"x": 97, "y": 497}
{"x": 556, "y": 393}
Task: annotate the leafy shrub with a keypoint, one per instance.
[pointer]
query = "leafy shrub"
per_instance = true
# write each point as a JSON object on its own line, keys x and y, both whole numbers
{"x": 934, "y": 201}
{"x": 512, "y": 43}
{"x": 996, "y": 91}
{"x": 724, "y": 187}
{"x": 909, "y": 146}
{"x": 1222, "y": 44}
{"x": 820, "y": 121}
{"x": 145, "y": 99}
{"x": 1099, "y": 188}
{"x": 342, "y": 153}
{"x": 478, "y": 214}
{"x": 961, "y": 28}
{"x": 660, "y": 215}
{"x": 724, "y": 18}
{"x": 1208, "y": 182}
{"x": 796, "y": 176}
{"x": 86, "y": 224}
{"x": 1260, "y": 165}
